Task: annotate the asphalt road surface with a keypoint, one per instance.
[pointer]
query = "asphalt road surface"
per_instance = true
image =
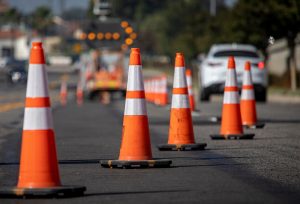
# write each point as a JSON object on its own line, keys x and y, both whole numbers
{"x": 263, "y": 170}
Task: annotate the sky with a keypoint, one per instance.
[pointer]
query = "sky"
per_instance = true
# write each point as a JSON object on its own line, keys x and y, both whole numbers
{"x": 28, "y": 6}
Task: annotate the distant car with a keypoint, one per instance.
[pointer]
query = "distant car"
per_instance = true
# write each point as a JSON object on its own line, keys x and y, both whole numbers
{"x": 212, "y": 70}
{"x": 14, "y": 72}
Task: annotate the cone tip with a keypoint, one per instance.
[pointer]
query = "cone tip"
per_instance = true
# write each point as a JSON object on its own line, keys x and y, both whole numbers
{"x": 135, "y": 58}
{"x": 37, "y": 53}
{"x": 135, "y": 50}
{"x": 188, "y": 72}
{"x": 231, "y": 63}
{"x": 179, "y": 59}
{"x": 247, "y": 66}
{"x": 37, "y": 44}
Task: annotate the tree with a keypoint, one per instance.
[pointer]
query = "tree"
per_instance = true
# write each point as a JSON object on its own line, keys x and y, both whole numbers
{"x": 41, "y": 19}
{"x": 12, "y": 16}
{"x": 178, "y": 26}
{"x": 254, "y": 21}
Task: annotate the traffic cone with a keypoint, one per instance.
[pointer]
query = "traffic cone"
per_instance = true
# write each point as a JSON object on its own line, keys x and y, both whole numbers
{"x": 231, "y": 124}
{"x": 146, "y": 90}
{"x": 79, "y": 94}
{"x": 190, "y": 89}
{"x": 63, "y": 93}
{"x": 248, "y": 104}
{"x": 135, "y": 151}
{"x": 156, "y": 91}
{"x": 163, "y": 89}
{"x": 39, "y": 174}
{"x": 152, "y": 90}
{"x": 181, "y": 133}
{"x": 149, "y": 94}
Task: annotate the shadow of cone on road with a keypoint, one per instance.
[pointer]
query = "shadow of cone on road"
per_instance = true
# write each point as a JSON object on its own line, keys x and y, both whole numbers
{"x": 181, "y": 132}
{"x": 231, "y": 124}
{"x": 248, "y": 103}
{"x": 39, "y": 174}
{"x": 135, "y": 151}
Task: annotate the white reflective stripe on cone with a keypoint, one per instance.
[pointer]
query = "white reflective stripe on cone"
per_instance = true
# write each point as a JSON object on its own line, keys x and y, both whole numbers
{"x": 230, "y": 78}
{"x": 190, "y": 91}
{"x": 156, "y": 86}
{"x": 180, "y": 101}
{"x": 135, "y": 106}
{"x": 164, "y": 85}
{"x": 231, "y": 97}
{"x": 179, "y": 77}
{"x": 135, "y": 78}
{"x": 189, "y": 81}
{"x": 64, "y": 87}
{"x": 247, "y": 78}
{"x": 151, "y": 86}
{"x": 247, "y": 94}
{"x": 37, "y": 82}
{"x": 161, "y": 88}
{"x": 38, "y": 119}
{"x": 147, "y": 86}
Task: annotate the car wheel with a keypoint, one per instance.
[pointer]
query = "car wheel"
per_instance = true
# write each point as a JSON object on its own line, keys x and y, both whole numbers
{"x": 204, "y": 96}
{"x": 261, "y": 95}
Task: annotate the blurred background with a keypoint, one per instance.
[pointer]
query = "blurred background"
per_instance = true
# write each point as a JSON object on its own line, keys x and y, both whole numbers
{"x": 75, "y": 31}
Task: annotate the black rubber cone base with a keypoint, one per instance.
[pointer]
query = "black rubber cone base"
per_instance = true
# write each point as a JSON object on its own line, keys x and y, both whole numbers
{"x": 135, "y": 164}
{"x": 236, "y": 137}
{"x": 182, "y": 147}
{"x": 59, "y": 191}
{"x": 255, "y": 126}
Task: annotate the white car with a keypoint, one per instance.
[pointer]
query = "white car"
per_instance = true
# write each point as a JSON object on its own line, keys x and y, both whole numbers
{"x": 212, "y": 70}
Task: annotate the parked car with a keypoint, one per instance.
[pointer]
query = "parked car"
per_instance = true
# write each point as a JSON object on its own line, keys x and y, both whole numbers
{"x": 14, "y": 72}
{"x": 212, "y": 70}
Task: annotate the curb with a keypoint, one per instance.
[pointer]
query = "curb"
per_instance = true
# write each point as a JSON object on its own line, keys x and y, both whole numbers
{"x": 277, "y": 98}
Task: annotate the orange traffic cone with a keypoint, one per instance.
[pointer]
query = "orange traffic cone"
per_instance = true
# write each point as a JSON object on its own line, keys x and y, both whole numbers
{"x": 135, "y": 148}
{"x": 146, "y": 82}
{"x": 231, "y": 124}
{"x": 63, "y": 93}
{"x": 190, "y": 89}
{"x": 152, "y": 90}
{"x": 163, "y": 90}
{"x": 79, "y": 94}
{"x": 39, "y": 174}
{"x": 248, "y": 106}
{"x": 181, "y": 133}
{"x": 156, "y": 91}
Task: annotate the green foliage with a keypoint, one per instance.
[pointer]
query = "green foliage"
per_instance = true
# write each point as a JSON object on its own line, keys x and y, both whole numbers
{"x": 178, "y": 27}
{"x": 41, "y": 19}
{"x": 185, "y": 25}
{"x": 11, "y": 16}
{"x": 254, "y": 21}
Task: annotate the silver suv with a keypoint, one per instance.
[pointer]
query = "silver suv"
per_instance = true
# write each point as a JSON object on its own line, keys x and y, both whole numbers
{"x": 212, "y": 70}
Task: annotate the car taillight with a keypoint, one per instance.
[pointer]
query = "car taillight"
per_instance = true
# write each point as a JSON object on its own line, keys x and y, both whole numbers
{"x": 261, "y": 65}
{"x": 214, "y": 64}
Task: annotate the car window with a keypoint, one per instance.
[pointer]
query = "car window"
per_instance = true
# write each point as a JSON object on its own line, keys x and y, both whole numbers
{"x": 236, "y": 53}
